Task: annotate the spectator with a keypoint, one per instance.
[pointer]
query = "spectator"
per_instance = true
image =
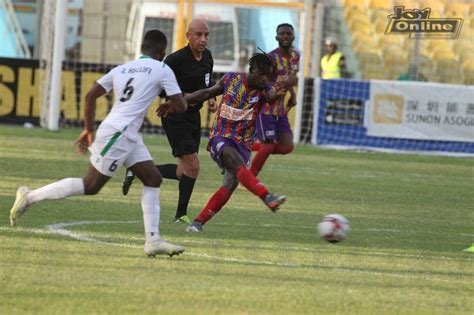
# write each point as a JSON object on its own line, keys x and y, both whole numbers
{"x": 333, "y": 64}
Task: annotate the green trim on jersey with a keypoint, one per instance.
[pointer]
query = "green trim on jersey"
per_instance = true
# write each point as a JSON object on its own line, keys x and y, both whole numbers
{"x": 110, "y": 143}
{"x": 145, "y": 57}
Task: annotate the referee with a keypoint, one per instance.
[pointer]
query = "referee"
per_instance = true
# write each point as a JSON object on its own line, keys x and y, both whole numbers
{"x": 192, "y": 66}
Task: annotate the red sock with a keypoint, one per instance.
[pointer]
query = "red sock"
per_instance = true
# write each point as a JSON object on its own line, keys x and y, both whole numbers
{"x": 282, "y": 149}
{"x": 217, "y": 201}
{"x": 256, "y": 146}
{"x": 262, "y": 155}
{"x": 251, "y": 182}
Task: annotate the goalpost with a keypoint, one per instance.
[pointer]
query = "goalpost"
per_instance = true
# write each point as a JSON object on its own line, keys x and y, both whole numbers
{"x": 53, "y": 18}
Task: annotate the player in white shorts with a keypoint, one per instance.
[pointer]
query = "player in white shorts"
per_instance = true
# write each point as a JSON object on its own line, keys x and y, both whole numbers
{"x": 118, "y": 142}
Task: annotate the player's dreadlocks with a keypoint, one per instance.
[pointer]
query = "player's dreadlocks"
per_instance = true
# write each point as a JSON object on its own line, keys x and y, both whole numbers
{"x": 261, "y": 61}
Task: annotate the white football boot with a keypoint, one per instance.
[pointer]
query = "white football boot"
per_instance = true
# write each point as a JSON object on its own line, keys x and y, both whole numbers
{"x": 162, "y": 247}
{"x": 20, "y": 206}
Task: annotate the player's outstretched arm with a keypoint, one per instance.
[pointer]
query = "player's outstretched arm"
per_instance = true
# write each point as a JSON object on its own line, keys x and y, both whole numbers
{"x": 85, "y": 138}
{"x": 205, "y": 94}
{"x": 199, "y": 96}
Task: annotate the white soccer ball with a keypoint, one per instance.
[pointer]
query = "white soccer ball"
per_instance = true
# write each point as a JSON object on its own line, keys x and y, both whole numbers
{"x": 334, "y": 228}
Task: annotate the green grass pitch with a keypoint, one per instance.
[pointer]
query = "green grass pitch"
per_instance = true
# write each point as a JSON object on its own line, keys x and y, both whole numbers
{"x": 411, "y": 217}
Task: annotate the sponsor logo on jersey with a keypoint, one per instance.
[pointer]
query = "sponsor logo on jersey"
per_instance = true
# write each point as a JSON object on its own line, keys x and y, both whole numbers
{"x": 235, "y": 113}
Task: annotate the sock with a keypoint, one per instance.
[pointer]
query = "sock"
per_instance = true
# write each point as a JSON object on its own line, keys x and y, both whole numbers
{"x": 168, "y": 170}
{"x": 186, "y": 186}
{"x": 151, "y": 212}
{"x": 251, "y": 182}
{"x": 217, "y": 201}
{"x": 282, "y": 149}
{"x": 58, "y": 190}
{"x": 256, "y": 146}
{"x": 257, "y": 162}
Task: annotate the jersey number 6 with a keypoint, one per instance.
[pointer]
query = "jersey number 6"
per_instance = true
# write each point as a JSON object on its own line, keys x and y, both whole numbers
{"x": 127, "y": 91}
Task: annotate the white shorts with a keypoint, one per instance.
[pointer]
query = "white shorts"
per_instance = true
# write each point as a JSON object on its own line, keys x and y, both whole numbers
{"x": 111, "y": 150}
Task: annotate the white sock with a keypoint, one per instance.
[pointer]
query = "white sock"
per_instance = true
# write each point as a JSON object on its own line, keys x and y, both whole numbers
{"x": 61, "y": 189}
{"x": 151, "y": 212}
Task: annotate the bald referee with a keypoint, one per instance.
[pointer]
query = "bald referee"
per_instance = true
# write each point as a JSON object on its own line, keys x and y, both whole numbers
{"x": 192, "y": 66}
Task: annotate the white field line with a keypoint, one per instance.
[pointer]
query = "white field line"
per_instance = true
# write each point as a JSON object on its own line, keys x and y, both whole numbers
{"x": 285, "y": 247}
{"x": 59, "y": 229}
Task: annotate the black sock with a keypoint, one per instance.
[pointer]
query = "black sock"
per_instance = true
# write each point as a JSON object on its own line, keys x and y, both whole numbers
{"x": 168, "y": 170}
{"x": 186, "y": 185}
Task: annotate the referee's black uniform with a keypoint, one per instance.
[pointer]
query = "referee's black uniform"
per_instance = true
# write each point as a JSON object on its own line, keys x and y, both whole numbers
{"x": 184, "y": 129}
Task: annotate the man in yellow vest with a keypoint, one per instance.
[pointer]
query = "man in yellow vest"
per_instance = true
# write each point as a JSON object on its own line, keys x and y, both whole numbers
{"x": 333, "y": 64}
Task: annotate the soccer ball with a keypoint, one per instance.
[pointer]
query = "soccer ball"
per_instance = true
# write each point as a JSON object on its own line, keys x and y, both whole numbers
{"x": 334, "y": 228}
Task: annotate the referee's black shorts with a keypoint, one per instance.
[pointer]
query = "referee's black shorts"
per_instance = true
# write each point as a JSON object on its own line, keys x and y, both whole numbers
{"x": 183, "y": 131}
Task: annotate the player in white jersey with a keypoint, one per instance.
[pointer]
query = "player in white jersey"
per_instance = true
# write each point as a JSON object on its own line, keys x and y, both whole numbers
{"x": 136, "y": 84}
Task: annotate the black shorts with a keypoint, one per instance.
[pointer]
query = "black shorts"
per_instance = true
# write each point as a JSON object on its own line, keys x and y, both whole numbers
{"x": 183, "y": 132}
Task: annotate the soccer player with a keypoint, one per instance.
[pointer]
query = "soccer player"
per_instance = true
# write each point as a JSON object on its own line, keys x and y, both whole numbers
{"x": 232, "y": 132}
{"x": 118, "y": 142}
{"x": 273, "y": 129}
{"x": 192, "y": 66}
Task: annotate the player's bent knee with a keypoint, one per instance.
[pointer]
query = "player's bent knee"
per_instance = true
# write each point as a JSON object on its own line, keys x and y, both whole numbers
{"x": 283, "y": 149}
{"x": 192, "y": 167}
{"x": 93, "y": 184}
{"x": 91, "y": 189}
{"x": 230, "y": 181}
{"x": 192, "y": 170}
{"x": 152, "y": 182}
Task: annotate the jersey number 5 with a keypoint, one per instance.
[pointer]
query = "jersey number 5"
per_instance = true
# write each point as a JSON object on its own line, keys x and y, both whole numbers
{"x": 127, "y": 91}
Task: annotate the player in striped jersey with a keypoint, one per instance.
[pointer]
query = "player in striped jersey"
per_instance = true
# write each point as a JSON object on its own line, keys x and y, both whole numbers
{"x": 232, "y": 133}
{"x": 273, "y": 129}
